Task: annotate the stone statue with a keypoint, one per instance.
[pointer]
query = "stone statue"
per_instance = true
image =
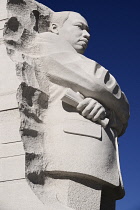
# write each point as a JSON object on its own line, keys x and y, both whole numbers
{"x": 72, "y": 109}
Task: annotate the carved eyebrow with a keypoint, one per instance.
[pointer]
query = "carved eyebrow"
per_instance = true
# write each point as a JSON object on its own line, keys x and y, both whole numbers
{"x": 83, "y": 24}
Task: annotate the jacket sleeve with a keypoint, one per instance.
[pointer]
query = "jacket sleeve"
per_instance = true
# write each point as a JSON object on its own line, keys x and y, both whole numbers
{"x": 101, "y": 86}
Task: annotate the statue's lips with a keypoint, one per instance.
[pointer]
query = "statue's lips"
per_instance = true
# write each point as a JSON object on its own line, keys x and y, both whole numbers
{"x": 83, "y": 42}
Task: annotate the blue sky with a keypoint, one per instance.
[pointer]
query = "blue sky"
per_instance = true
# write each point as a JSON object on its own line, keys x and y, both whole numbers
{"x": 115, "y": 44}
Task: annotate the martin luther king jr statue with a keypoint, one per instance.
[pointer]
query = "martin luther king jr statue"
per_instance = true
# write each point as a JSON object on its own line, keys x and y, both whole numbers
{"x": 72, "y": 110}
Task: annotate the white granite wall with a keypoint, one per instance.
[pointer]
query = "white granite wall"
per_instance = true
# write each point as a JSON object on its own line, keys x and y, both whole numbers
{"x": 15, "y": 194}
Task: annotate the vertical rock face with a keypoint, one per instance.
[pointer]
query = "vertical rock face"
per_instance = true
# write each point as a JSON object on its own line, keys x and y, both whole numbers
{"x": 17, "y": 27}
{"x": 32, "y": 104}
{"x": 8, "y": 80}
{"x": 25, "y": 19}
{"x": 12, "y": 158}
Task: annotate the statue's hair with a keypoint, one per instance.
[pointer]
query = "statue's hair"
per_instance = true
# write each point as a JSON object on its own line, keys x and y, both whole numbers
{"x": 60, "y": 17}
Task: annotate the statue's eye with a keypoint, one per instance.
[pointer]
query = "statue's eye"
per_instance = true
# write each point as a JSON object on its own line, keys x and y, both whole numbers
{"x": 80, "y": 26}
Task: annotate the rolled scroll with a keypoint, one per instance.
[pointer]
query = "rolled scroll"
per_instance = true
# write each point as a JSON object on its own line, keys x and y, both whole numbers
{"x": 72, "y": 98}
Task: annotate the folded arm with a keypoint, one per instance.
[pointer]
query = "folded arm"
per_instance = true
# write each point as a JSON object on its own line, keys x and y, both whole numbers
{"x": 90, "y": 86}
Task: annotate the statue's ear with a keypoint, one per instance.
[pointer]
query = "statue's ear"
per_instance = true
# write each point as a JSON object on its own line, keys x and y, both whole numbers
{"x": 54, "y": 28}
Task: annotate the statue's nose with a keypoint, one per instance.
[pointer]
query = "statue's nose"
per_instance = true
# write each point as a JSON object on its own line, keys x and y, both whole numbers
{"x": 86, "y": 34}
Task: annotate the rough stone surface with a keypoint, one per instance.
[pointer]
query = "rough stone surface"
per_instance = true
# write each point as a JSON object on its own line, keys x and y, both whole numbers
{"x": 71, "y": 158}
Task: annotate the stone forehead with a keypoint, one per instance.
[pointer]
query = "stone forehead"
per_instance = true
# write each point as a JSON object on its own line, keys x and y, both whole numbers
{"x": 76, "y": 15}
{"x": 61, "y": 17}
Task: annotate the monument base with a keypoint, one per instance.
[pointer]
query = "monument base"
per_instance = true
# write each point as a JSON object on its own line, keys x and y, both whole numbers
{"x": 74, "y": 194}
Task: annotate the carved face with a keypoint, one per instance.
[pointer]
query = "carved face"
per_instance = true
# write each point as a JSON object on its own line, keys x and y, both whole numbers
{"x": 75, "y": 31}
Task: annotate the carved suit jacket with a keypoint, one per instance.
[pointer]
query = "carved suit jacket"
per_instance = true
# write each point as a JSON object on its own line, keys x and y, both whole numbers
{"x": 75, "y": 146}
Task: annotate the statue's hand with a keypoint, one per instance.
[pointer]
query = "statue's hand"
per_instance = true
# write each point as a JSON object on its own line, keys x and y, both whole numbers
{"x": 91, "y": 109}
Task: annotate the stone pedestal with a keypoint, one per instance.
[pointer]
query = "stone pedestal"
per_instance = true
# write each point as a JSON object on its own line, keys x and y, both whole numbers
{"x": 74, "y": 194}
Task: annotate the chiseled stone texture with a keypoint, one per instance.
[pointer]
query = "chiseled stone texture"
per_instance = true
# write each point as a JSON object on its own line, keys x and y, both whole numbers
{"x": 81, "y": 197}
{"x": 12, "y": 155}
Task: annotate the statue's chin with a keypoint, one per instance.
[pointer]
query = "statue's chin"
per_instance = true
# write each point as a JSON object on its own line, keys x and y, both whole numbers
{"x": 80, "y": 48}
{"x": 80, "y": 51}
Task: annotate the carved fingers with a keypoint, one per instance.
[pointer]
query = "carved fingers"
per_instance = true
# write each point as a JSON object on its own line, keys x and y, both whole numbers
{"x": 91, "y": 109}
